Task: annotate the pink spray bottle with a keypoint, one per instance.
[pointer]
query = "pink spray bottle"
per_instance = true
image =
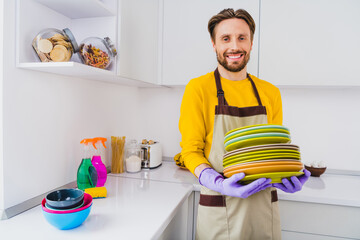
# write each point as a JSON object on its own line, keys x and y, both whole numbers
{"x": 96, "y": 160}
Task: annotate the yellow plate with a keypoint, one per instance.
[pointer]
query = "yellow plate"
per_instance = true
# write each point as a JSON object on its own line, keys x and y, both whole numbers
{"x": 264, "y": 169}
{"x": 262, "y": 163}
{"x": 261, "y": 157}
{"x": 256, "y": 141}
{"x": 263, "y": 147}
{"x": 275, "y": 176}
{"x": 257, "y": 126}
{"x": 256, "y": 135}
{"x": 255, "y": 131}
{"x": 258, "y": 152}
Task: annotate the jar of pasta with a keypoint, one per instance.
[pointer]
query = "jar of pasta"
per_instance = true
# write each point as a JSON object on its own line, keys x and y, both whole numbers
{"x": 53, "y": 45}
{"x": 97, "y": 52}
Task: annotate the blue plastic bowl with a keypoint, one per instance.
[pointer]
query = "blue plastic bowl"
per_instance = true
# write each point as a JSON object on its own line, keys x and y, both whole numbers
{"x": 67, "y": 221}
{"x": 65, "y": 198}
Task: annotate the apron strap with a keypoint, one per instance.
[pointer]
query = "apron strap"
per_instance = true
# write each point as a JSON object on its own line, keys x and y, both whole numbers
{"x": 255, "y": 90}
{"x": 220, "y": 91}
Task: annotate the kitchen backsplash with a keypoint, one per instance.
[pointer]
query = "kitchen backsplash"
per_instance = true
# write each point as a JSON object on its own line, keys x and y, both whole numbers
{"x": 323, "y": 122}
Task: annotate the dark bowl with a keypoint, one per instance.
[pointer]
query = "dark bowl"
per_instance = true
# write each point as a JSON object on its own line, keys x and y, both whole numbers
{"x": 65, "y": 198}
{"x": 315, "y": 172}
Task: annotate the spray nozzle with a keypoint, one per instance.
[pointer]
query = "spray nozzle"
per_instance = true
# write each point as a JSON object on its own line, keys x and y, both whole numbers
{"x": 85, "y": 141}
{"x": 99, "y": 139}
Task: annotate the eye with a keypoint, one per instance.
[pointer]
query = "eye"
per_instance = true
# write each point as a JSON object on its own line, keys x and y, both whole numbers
{"x": 226, "y": 39}
{"x": 241, "y": 38}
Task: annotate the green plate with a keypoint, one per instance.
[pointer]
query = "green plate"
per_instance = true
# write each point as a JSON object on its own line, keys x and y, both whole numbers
{"x": 256, "y": 152}
{"x": 275, "y": 176}
{"x": 253, "y": 127}
{"x": 256, "y": 141}
{"x": 257, "y": 135}
{"x": 263, "y": 130}
{"x": 261, "y": 157}
{"x": 262, "y": 147}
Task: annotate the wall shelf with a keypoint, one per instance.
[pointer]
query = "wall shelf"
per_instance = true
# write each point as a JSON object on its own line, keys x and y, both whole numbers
{"x": 75, "y": 69}
{"x": 85, "y": 18}
{"x": 79, "y": 8}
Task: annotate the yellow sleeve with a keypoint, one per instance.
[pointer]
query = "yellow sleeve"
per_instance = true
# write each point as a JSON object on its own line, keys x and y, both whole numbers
{"x": 192, "y": 128}
{"x": 278, "y": 113}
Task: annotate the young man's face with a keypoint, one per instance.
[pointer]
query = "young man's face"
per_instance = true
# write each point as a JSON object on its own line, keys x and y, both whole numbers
{"x": 232, "y": 44}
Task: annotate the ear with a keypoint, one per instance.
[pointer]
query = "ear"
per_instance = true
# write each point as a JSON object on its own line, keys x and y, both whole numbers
{"x": 251, "y": 45}
{"x": 213, "y": 44}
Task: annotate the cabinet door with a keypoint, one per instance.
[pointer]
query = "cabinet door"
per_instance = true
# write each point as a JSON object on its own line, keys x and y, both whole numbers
{"x": 138, "y": 55}
{"x": 310, "y": 42}
{"x": 187, "y": 49}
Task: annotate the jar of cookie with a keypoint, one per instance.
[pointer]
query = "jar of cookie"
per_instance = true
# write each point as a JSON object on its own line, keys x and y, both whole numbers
{"x": 53, "y": 45}
{"x": 97, "y": 52}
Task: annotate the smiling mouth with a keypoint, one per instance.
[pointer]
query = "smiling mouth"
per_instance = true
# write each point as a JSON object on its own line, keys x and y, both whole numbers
{"x": 234, "y": 57}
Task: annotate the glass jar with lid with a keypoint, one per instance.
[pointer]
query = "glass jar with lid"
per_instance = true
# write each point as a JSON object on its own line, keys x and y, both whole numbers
{"x": 133, "y": 157}
{"x": 53, "y": 45}
{"x": 97, "y": 52}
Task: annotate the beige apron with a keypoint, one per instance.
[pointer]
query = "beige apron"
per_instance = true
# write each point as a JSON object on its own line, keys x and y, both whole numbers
{"x": 224, "y": 217}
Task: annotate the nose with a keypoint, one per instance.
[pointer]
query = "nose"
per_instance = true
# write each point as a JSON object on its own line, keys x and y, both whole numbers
{"x": 234, "y": 45}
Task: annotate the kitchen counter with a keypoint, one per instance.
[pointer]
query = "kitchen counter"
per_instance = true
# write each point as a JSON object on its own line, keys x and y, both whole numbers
{"x": 133, "y": 209}
{"x": 167, "y": 172}
{"x": 336, "y": 189}
{"x": 141, "y": 205}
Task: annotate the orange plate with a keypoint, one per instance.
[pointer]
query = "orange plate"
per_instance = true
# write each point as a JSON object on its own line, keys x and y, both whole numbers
{"x": 265, "y": 169}
{"x": 261, "y": 164}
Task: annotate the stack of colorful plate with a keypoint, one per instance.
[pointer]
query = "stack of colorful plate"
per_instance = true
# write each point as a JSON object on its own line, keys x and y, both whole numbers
{"x": 261, "y": 151}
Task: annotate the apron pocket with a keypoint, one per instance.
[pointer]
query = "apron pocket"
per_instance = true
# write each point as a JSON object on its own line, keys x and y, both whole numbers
{"x": 212, "y": 200}
{"x": 212, "y": 222}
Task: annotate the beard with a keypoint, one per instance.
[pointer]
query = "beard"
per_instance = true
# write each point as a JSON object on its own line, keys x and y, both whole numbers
{"x": 235, "y": 66}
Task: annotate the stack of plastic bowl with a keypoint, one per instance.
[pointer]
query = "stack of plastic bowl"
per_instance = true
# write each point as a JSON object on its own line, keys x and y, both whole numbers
{"x": 262, "y": 150}
{"x": 66, "y": 208}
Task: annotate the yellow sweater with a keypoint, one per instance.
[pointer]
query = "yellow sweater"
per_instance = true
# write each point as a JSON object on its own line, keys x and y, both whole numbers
{"x": 198, "y": 110}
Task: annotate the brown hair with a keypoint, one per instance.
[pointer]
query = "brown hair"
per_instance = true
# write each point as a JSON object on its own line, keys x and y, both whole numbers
{"x": 228, "y": 14}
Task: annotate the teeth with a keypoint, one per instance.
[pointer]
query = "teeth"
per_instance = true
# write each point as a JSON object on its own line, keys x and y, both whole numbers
{"x": 237, "y": 56}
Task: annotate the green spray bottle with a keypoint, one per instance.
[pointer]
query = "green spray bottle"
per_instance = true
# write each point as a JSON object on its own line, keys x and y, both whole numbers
{"x": 86, "y": 174}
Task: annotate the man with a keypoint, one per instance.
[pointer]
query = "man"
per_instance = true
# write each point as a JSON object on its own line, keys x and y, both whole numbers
{"x": 214, "y": 104}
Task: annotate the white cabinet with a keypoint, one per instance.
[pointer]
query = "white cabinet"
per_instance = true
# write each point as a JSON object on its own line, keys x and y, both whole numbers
{"x": 187, "y": 51}
{"x": 181, "y": 226}
{"x": 139, "y": 40}
{"x": 310, "y": 42}
{"x": 312, "y": 221}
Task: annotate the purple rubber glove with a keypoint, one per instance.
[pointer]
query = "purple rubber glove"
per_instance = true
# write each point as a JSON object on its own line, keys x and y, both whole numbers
{"x": 296, "y": 183}
{"x": 230, "y": 186}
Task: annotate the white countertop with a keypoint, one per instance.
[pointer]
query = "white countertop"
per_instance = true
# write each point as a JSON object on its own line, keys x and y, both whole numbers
{"x": 333, "y": 189}
{"x": 141, "y": 205}
{"x": 133, "y": 209}
{"x": 167, "y": 172}
{"x": 328, "y": 189}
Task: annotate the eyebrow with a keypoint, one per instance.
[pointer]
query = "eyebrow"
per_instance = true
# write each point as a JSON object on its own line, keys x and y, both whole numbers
{"x": 227, "y": 35}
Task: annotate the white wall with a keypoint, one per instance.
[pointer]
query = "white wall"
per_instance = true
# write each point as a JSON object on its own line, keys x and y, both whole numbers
{"x": 324, "y": 122}
{"x": 1, "y": 107}
{"x": 159, "y": 116}
{"x": 45, "y": 116}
